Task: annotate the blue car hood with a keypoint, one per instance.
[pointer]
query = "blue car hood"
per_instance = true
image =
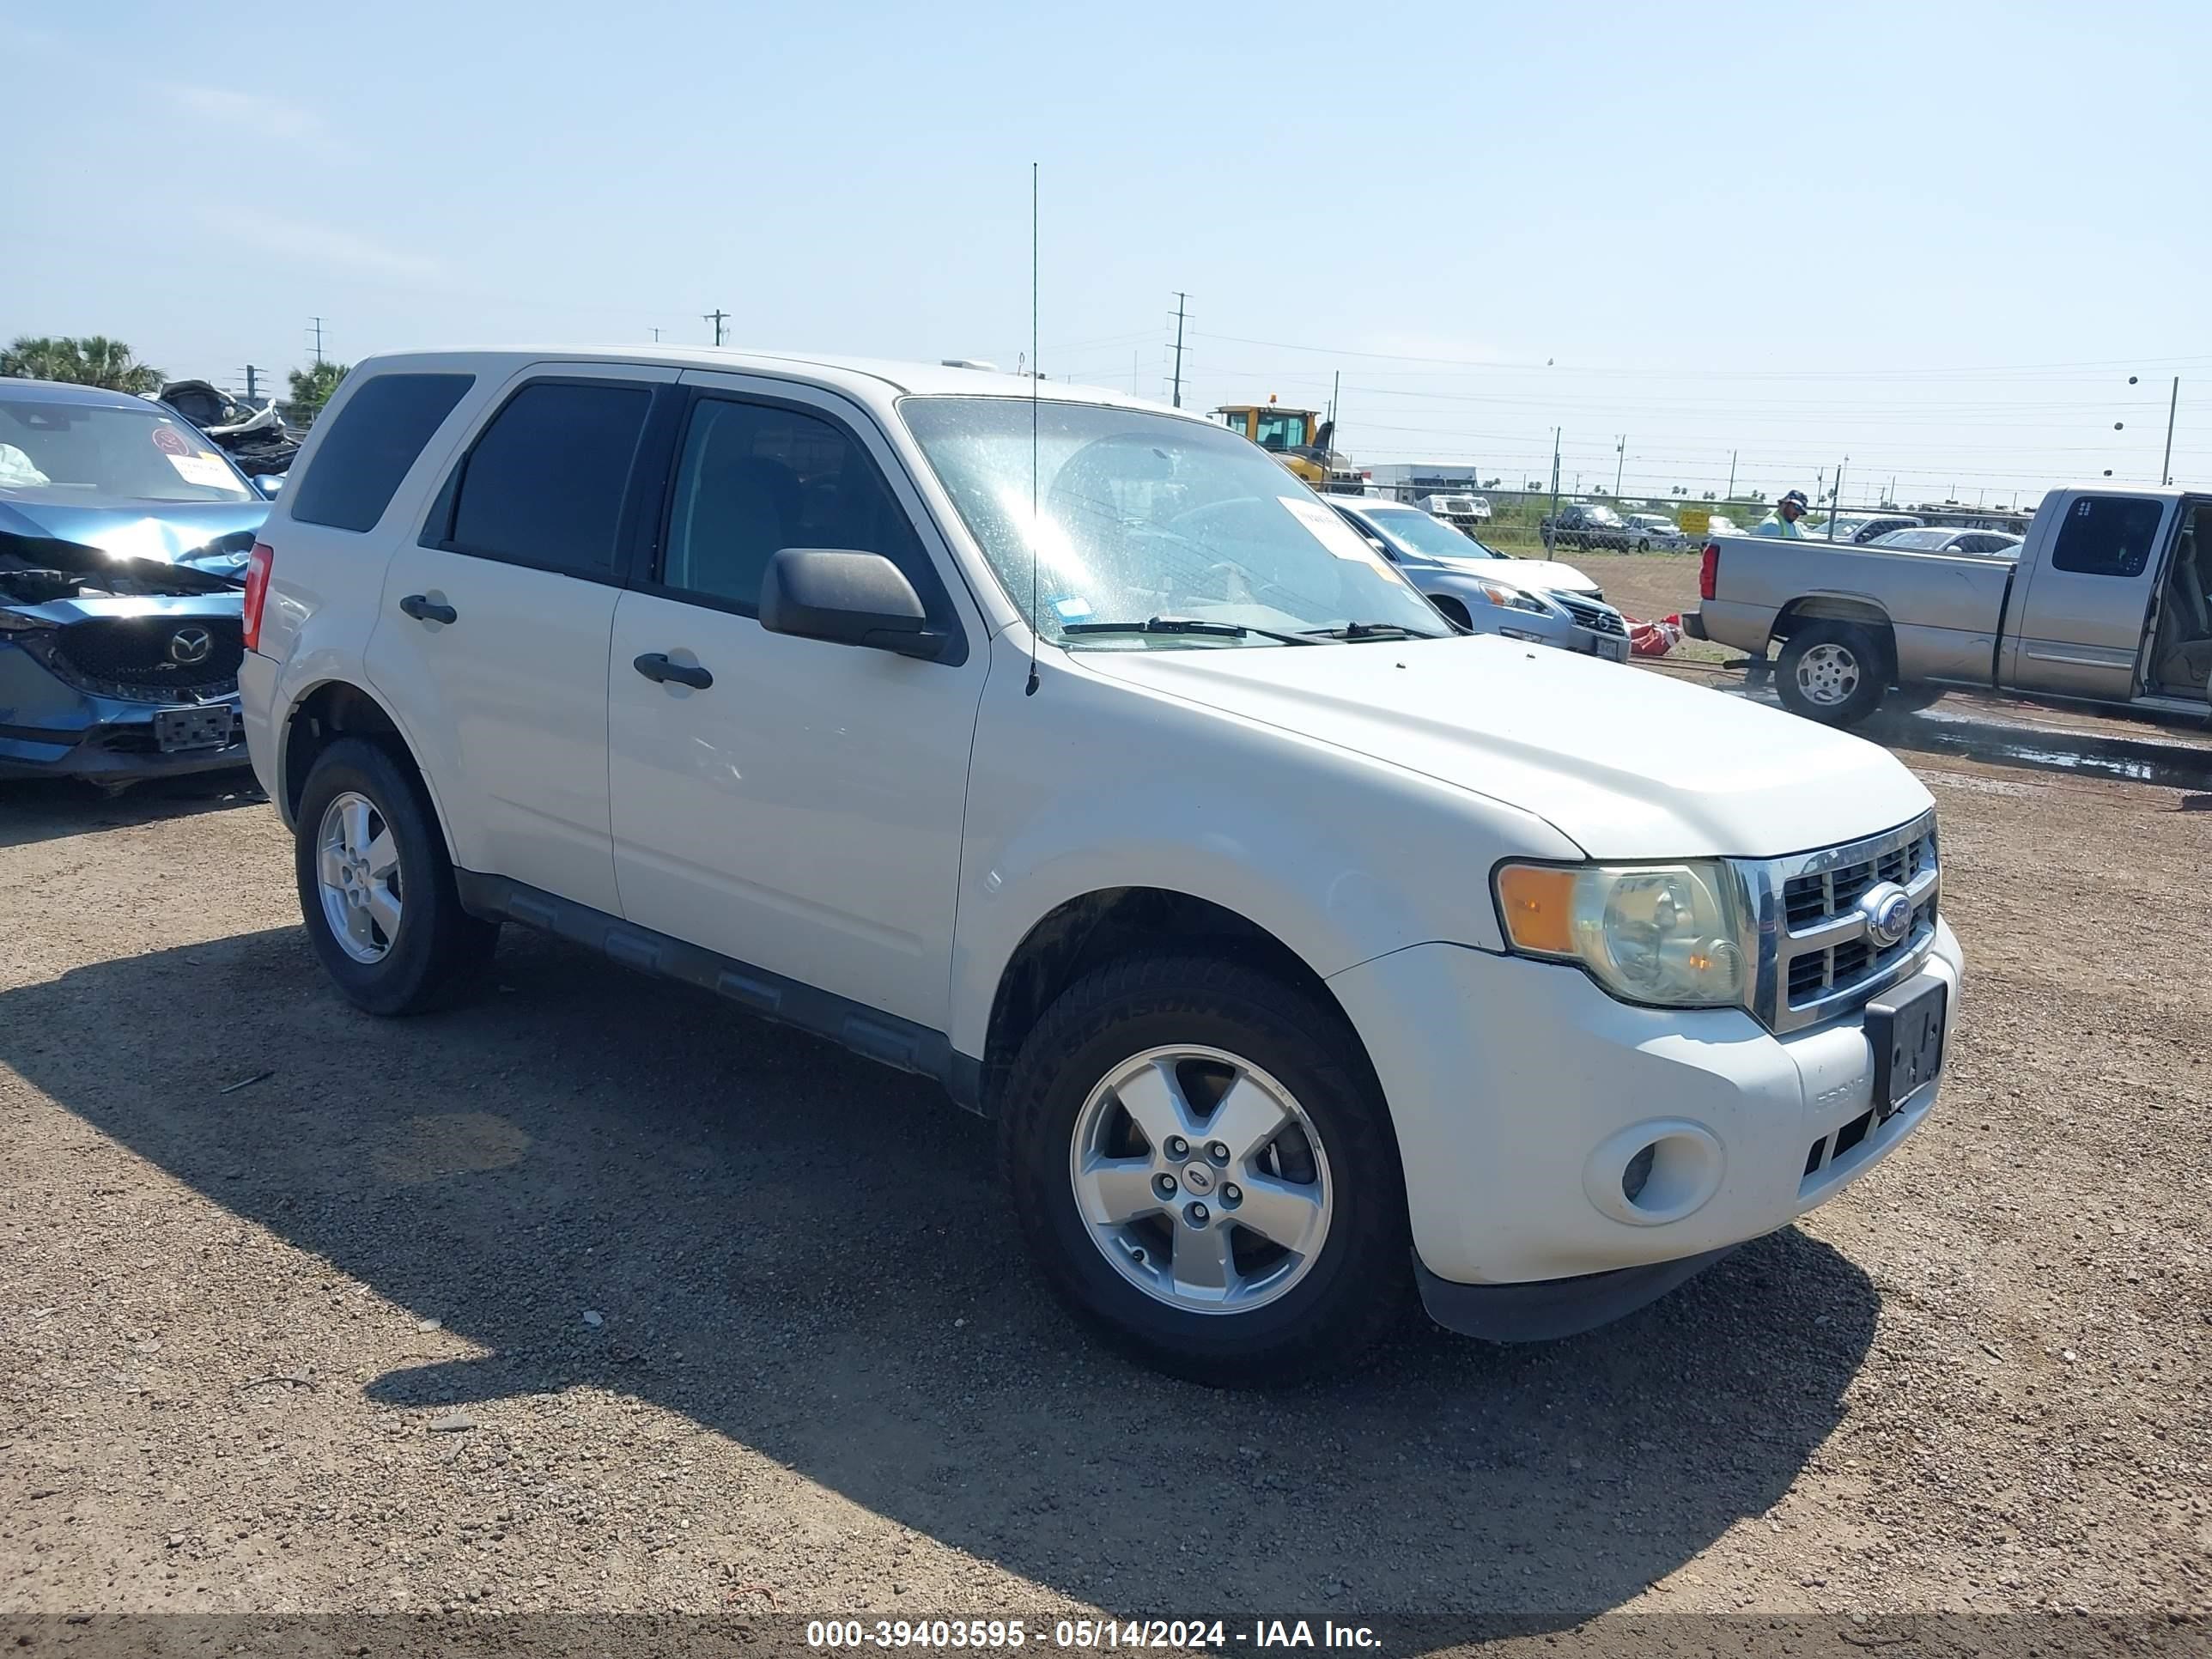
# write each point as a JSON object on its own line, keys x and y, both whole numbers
{"x": 171, "y": 532}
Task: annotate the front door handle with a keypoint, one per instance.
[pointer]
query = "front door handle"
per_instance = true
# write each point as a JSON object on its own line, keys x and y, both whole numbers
{"x": 425, "y": 610}
{"x": 656, "y": 665}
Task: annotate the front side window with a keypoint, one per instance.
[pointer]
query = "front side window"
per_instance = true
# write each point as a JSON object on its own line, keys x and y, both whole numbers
{"x": 373, "y": 440}
{"x": 2107, "y": 536}
{"x": 543, "y": 484}
{"x": 90, "y": 454}
{"x": 1139, "y": 516}
{"x": 755, "y": 478}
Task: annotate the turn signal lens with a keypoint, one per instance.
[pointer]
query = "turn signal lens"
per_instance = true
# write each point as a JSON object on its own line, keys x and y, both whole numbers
{"x": 1539, "y": 904}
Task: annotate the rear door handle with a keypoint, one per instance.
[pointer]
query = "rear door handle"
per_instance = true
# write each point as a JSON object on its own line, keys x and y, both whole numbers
{"x": 424, "y": 609}
{"x": 655, "y": 667}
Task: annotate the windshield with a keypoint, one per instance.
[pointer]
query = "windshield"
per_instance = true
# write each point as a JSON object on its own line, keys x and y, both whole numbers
{"x": 84, "y": 453}
{"x": 1140, "y": 515}
{"x": 1416, "y": 532}
{"x": 1920, "y": 539}
{"x": 1600, "y": 515}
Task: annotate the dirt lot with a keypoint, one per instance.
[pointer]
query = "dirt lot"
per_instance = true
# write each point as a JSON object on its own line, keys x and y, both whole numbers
{"x": 597, "y": 1295}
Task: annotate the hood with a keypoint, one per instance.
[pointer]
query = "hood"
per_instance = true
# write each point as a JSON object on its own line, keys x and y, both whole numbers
{"x": 1626, "y": 763}
{"x": 170, "y": 531}
{"x": 1542, "y": 574}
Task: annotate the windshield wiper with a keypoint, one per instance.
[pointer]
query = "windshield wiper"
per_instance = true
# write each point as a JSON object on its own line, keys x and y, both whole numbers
{"x": 1373, "y": 630}
{"x": 1185, "y": 625}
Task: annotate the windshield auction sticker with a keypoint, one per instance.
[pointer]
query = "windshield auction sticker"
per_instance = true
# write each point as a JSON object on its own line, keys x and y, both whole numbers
{"x": 205, "y": 470}
{"x": 1332, "y": 533}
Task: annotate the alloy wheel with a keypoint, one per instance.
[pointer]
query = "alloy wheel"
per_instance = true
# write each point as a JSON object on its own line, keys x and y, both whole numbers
{"x": 1201, "y": 1179}
{"x": 357, "y": 876}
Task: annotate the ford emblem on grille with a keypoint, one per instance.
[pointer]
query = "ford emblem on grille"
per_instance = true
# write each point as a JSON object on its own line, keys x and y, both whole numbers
{"x": 190, "y": 645}
{"x": 1888, "y": 908}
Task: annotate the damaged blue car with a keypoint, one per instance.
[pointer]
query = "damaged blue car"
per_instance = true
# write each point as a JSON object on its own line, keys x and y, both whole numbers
{"x": 123, "y": 537}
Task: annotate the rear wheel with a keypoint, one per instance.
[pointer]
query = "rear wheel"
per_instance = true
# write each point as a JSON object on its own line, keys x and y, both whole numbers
{"x": 1832, "y": 672}
{"x": 376, "y": 888}
{"x": 1202, "y": 1164}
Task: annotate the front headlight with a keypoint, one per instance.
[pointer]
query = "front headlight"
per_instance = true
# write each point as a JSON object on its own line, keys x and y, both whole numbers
{"x": 1669, "y": 935}
{"x": 1511, "y": 598}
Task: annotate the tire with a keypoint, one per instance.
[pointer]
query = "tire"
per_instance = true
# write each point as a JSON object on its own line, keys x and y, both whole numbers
{"x": 1175, "y": 1027}
{"x": 1452, "y": 610}
{"x": 1832, "y": 672}
{"x": 1642, "y": 543}
{"x": 421, "y": 947}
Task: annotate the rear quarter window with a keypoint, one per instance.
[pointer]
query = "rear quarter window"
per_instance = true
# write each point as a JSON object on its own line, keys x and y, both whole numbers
{"x": 2107, "y": 536}
{"x": 373, "y": 439}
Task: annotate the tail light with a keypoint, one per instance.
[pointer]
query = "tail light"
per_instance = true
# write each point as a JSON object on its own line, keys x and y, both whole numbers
{"x": 1709, "y": 568}
{"x": 257, "y": 590}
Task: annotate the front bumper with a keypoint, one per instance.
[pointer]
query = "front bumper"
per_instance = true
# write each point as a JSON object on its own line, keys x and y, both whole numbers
{"x": 51, "y": 729}
{"x": 1518, "y": 1090}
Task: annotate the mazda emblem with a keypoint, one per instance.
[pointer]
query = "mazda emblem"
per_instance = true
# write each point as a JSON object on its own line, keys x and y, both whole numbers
{"x": 188, "y": 646}
{"x": 1888, "y": 910}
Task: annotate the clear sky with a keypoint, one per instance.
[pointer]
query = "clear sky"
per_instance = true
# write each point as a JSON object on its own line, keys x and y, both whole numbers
{"x": 1937, "y": 239}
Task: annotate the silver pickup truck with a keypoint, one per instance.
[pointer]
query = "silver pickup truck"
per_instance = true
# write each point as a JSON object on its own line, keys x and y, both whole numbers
{"x": 2108, "y": 600}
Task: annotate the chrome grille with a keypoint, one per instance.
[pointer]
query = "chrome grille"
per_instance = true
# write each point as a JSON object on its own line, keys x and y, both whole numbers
{"x": 1598, "y": 618}
{"x": 1816, "y": 959}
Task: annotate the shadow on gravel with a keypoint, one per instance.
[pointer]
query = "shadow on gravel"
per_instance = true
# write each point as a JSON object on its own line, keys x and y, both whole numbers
{"x": 34, "y": 810}
{"x": 809, "y": 1255}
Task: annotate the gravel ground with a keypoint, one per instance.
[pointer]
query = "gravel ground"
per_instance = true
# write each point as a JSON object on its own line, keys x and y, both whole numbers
{"x": 596, "y": 1295}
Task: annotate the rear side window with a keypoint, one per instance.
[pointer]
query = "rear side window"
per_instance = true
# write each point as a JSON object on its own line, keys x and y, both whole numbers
{"x": 2107, "y": 536}
{"x": 372, "y": 440}
{"x": 543, "y": 484}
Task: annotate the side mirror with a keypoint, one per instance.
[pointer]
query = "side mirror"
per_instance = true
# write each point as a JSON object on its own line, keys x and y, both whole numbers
{"x": 269, "y": 484}
{"x": 848, "y": 598}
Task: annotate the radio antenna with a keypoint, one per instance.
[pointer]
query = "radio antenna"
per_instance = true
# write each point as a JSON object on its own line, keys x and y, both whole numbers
{"x": 1037, "y": 620}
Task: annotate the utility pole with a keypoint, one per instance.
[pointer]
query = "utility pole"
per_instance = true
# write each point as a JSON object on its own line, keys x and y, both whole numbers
{"x": 718, "y": 317}
{"x": 1731, "y": 489}
{"x": 317, "y": 324}
{"x": 1180, "y": 297}
{"x": 1555, "y": 472}
{"x": 1619, "y": 460}
{"x": 252, "y": 383}
{"x": 2173, "y": 407}
{"x": 1889, "y": 499}
{"x": 656, "y": 336}
{"x": 1836, "y": 500}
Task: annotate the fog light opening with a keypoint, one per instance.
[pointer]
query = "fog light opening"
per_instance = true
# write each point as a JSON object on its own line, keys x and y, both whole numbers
{"x": 1638, "y": 1172}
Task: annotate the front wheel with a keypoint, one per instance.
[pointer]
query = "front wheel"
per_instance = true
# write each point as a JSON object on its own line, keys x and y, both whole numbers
{"x": 1831, "y": 672}
{"x": 1201, "y": 1162}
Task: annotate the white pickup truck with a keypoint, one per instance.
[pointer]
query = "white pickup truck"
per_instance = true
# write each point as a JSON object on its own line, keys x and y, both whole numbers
{"x": 1066, "y": 750}
{"x": 2108, "y": 600}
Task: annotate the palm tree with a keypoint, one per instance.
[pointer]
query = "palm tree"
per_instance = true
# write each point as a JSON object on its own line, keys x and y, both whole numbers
{"x": 94, "y": 360}
{"x": 312, "y": 386}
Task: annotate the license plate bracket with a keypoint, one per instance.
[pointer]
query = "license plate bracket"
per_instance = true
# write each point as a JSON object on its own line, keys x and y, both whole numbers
{"x": 209, "y": 727}
{"x": 1905, "y": 1028}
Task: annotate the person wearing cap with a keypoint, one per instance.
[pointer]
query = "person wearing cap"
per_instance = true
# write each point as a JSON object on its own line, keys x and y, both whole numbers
{"x": 1782, "y": 521}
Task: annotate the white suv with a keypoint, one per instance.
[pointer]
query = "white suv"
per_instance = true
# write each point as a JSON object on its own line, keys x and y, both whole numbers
{"x": 1306, "y": 951}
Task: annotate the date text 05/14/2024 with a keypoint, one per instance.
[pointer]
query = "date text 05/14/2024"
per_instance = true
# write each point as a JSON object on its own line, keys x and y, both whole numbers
{"x": 1087, "y": 1633}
